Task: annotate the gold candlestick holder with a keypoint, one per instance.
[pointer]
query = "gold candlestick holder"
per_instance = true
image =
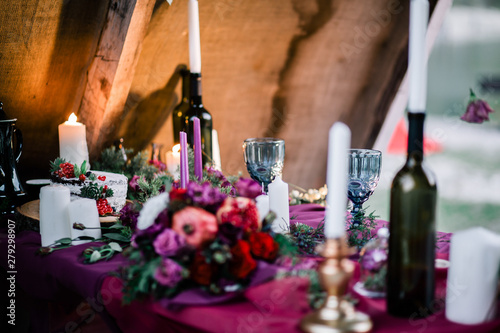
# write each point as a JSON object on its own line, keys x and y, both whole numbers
{"x": 337, "y": 315}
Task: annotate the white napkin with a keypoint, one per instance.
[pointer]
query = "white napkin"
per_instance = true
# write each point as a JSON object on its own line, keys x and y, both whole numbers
{"x": 84, "y": 211}
{"x": 473, "y": 276}
{"x": 54, "y": 201}
{"x": 278, "y": 203}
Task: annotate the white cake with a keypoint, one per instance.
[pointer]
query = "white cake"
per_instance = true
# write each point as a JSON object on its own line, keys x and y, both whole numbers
{"x": 117, "y": 182}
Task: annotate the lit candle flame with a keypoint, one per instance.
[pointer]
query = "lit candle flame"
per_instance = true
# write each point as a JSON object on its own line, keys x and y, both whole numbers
{"x": 176, "y": 148}
{"x": 72, "y": 119}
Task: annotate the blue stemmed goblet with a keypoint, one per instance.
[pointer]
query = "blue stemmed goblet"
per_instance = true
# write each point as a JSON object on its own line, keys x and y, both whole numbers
{"x": 264, "y": 158}
{"x": 364, "y": 174}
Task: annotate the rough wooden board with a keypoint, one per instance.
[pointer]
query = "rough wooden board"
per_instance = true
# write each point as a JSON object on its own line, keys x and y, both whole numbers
{"x": 336, "y": 86}
{"x": 112, "y": 69}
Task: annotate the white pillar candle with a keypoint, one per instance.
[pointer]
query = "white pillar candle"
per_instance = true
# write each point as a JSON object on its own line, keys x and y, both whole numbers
{"x": 262, "y": 203}
{"x": 339, "y": 142}
{"x": 217, "y": 165}
{"x": 173, "y": 159}
{"x": 194, "y": 37}
{"x": 278, "y": 203}
{"x": 417, "y": 56}
{"x": 73, "y": 141}
{"x": 84, "y": 211}
{"x": 54, "y": 202}
{"x": 471, "y": 287}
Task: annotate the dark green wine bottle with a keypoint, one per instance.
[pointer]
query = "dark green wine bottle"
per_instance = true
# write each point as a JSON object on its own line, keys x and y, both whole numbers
{"x": 180, "y": 110}
{"x": 410, "y": 271}
{"x": 196, "y": 109}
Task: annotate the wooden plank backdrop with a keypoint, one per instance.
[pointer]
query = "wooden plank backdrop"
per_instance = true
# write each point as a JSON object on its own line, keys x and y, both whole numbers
{"x": 284, "y": 68}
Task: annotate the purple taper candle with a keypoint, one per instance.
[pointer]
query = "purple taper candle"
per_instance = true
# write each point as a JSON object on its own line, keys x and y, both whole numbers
{"x": 198, "y": 164}
{"x": 184, "y": 160}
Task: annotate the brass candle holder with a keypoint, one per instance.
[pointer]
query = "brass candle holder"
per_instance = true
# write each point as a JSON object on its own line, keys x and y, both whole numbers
{"x": 337, "y": 315}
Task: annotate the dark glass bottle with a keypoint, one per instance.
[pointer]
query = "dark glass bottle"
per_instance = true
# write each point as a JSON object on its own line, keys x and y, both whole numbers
{"x": 178, "y": 115}
{"x": 410, "y": 271}
{"x": 196, "y": 109}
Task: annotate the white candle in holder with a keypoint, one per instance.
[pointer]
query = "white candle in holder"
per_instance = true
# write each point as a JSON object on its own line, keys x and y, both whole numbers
{"x": 54, "y": 202}
{"x": 73, "y": 141}
{"x": 84, "y": 211}
{"x": 339, "y": 142}
{"x": 278, "y": 203}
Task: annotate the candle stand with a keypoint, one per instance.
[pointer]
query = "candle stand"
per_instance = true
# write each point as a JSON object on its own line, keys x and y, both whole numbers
{"x": 337, "y": 315}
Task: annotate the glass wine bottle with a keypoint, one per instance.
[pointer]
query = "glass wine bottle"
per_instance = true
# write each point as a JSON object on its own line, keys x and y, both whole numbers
{"x": 196, "y": 109}
{"x": 410, "y": 275}
{"x": 180, "y": 110}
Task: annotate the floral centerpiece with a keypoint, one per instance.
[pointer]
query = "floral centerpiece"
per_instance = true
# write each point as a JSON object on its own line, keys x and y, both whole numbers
{"x": 200, "y": 238}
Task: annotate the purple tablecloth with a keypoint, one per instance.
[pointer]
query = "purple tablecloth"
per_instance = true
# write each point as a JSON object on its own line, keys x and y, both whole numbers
{"x": 270, "y": 307}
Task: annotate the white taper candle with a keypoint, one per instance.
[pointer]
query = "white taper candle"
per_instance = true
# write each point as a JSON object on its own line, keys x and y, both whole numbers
{"x": 417, "y": 57}
{"x": 339, "y": 142}
{"x": 194, "y": 37}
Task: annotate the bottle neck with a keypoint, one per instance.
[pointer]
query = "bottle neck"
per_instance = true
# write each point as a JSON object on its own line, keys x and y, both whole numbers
{"x": 195, "y": 89}
{"x": 185, "y": 84}
{"x": 416, "y": 134}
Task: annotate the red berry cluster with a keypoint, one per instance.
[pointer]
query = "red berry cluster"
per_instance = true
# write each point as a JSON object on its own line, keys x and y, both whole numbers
{"x": 103, "y": 207}
{"x": 102, "y": 178}
{"x": 66, "y": 170}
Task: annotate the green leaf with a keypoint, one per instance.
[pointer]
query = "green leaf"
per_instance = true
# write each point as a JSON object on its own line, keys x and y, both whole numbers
{"x": 54, "y": 166}
{"x": 95, "y": 256}
{"x": 117, "y": 226}
{"x": 115, "y": 246}
{"x": 64, "y": 241}
{"x": 76, "y": 171}
{"x": 117, "y": 237}
{"x": 83, "y": 168}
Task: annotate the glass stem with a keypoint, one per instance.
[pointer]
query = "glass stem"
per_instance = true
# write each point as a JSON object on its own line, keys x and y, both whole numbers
{"x": 357, "y": 215}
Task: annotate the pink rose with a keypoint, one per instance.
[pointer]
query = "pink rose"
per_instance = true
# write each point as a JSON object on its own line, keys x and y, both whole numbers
{"x": 240, "y": 212}
{"x": 196, "y": 225}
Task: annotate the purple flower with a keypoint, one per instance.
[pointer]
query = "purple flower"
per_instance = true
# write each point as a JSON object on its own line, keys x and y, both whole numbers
{"x": 168, "y": 243}
{"x": 158, "y": 164}
{"x": 248, "y": 188}
{"x": 373, "y": 260}
{"x": 133, "y": 183}
{"x": 215, "y": 173}
{"x": 477, "y": 110}
{"x": 129, "y": 214}
{"x": 205, "y": 195}
{"x": 163, "y": 218}
{"x": 146, "y": 236}
{"x": 169, "y": 273}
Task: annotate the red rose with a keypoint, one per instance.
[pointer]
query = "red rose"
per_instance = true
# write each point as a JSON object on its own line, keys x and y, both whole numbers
{"x": 242, "y": 262}
{"x": 240, "y": 212}
{"x": 200, "y": 271}
{"x": 177, "y": 194}
{"x": 263, "y": 246}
